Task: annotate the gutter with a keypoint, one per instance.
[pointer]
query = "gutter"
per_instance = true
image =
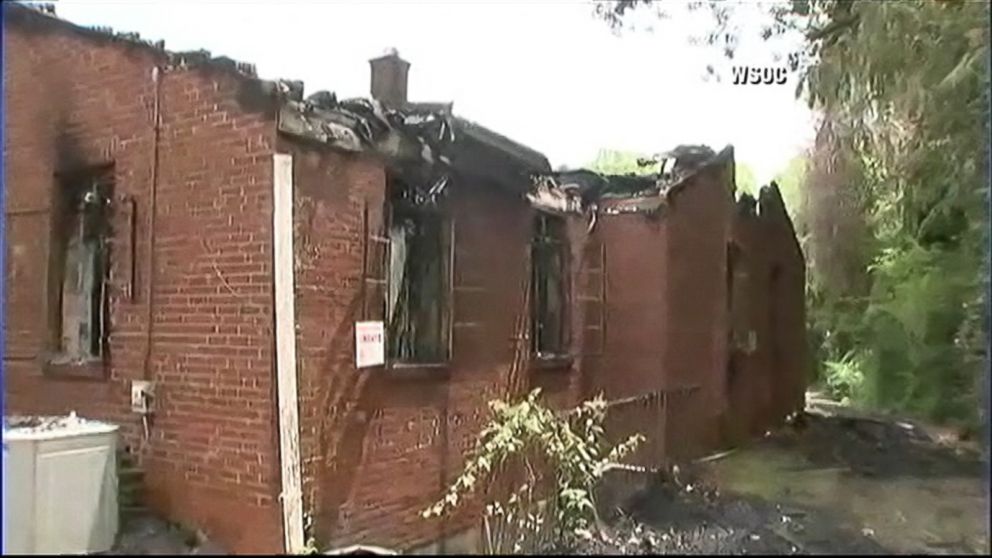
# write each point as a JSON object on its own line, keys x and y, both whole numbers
{"x": 150, "y": 243}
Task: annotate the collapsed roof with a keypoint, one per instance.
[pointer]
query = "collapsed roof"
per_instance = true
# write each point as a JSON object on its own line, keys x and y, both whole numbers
{"x": 579, "y": 191}
{"x": 425, "y": 141}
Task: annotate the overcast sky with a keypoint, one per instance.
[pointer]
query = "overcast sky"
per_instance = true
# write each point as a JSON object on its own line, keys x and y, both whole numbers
{"x": 543, "y": 72}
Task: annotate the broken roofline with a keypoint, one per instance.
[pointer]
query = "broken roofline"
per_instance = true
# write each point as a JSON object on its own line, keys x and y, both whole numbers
{"x": 418, "y": 135}
{"x": 425, "y": 136}
{"x": 575, "y": 191}
{"x": 379, "y": 130}
{"x": 44, "y": 14}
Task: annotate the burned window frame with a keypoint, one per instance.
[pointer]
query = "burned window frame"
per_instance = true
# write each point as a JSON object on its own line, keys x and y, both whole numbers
{"x": 403, "y": 204}
{"x": 81, "y": 208}
{"x": 549, "y": 243}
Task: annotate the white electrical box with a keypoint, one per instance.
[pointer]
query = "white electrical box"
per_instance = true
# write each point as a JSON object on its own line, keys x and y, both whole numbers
{"x": 60, "y": 485}
{"x": 142, "y": 393}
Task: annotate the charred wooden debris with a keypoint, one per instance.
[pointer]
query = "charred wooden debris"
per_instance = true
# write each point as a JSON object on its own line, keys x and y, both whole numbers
{"x": 423, "y": 143}
{"x": 584, "y": 191}
{"x": 427, "y": 145}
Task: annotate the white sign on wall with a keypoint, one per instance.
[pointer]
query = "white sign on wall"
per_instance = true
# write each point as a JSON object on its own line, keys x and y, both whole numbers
{"x": 370, "y": 345}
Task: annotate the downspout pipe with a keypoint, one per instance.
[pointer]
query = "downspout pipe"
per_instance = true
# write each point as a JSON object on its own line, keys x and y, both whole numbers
{"x": 150, "y": 235}
{"x": 146, "y": 369}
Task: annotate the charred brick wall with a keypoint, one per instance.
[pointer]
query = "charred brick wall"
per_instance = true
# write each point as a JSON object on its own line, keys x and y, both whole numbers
{"x": 77, "y": 99}
{"x": 783, "y": 278}
{"x": 749, "y": 383}
{"x": 771, "y": 375}
{"x": 698, "y": 225}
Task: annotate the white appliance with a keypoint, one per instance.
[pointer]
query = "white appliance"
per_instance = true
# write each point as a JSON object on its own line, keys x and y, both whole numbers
{"x": 60, "y": 485}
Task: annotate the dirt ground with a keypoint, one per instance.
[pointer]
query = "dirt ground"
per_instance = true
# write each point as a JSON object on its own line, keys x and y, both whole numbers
{"x": 834, "y": 482}
{"x": 147, "y": 535}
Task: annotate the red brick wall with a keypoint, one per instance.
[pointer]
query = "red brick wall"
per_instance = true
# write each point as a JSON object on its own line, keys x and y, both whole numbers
{"x": 751, "y": 390}
{"x": 667, "y": 320}
{"x": 771, "y": 379}
{"x": 76, "y": 98}
{"x": 630, "y": 363}
{"x": 779, "y": 285}
{"x": 331, "y": 190}
{"x": 698, "y": 222}
{"x": 380, "y": 445}
{"x": 668, "y": 323}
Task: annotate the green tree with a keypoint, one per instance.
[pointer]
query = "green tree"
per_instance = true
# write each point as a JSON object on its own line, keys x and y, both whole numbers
{"x": 895, "y": 190}
{"x": 744, "y": 177}
{"x": 790, "y": 183}
{"x": 609, "y": 161}
{"x": 549, "y": 464}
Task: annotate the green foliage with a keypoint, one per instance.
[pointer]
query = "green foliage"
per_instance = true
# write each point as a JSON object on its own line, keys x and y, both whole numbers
{"x": 790, "y": 183}
{"x": 744, "y": 177}
{"x": 844, "y": 378}
{"x": 910, "y": 95}
{"x": 570, "y": 452}
{"x": 311, "y": 546}
{"x": 608, "y": 161}
{"x": 904, "y": 88}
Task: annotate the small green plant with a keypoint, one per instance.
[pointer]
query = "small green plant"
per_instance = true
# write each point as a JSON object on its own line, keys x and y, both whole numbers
{"x": 558, "y": 457}
{"x": 311, "y": 546}
{"x": 844, "y": 377}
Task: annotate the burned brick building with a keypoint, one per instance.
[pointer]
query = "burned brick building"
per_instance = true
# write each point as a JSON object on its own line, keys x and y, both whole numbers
{"x": 177, "y": 224}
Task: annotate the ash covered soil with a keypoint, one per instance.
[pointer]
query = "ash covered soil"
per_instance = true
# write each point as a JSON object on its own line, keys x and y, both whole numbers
{"x": 832, "y": 482}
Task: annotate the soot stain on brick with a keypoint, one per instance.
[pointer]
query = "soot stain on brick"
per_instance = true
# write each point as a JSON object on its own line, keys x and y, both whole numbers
{"x": 252, "y": 96}
{"x": 69, "y": 154}
{"x": 249, "y": 92}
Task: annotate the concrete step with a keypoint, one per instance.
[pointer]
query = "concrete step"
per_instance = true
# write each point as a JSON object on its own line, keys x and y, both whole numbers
{"x": 130, "y": 471}
{"x": 134, "y": 510}
{"x": 130, "y": 486}
{"x": 130, "y": 499}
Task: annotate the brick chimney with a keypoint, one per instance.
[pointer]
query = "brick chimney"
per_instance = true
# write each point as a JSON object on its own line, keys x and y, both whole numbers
{"x": 389, "y": 74}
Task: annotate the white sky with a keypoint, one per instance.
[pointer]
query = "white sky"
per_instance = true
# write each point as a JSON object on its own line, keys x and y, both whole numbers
{"x": 546, "y": 73}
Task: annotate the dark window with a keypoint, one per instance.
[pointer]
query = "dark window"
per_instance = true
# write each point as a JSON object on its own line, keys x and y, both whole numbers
{"x": 417, "y": 294}
{"x": 80, "y": 270}
{"x": 550, "y": 286}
